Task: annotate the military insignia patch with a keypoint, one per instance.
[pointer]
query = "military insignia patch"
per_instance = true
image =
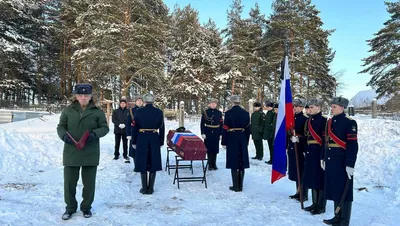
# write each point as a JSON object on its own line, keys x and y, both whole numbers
{"x": 353, "y": 129}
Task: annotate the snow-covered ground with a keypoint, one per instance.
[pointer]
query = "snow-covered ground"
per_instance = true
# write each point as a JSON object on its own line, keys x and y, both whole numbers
{"x": 31, "y": 185}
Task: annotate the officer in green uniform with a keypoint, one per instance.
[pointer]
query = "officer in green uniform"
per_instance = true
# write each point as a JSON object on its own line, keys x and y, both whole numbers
{"x": 81, "y": 125}
{"x": 269, "y": 129}
{"x": 257, "y": 126}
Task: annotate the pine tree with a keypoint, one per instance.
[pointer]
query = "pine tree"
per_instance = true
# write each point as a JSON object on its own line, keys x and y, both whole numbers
{"x": 384, "y": 64}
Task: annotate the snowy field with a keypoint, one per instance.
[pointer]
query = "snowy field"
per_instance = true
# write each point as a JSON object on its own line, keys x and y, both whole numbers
{"x": 31, "y": 185}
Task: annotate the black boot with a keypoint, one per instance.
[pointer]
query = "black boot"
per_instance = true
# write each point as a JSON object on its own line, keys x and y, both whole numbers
{"x": 314, "y": 200}
{"x": 321, "y": 204}
{"x": 143, "y": 177}
{"x": 346, "y": 214}
{"x": 240, "y": 179}
{"x": 235, "y": 181}
{"x": 336, "y": 219}
{"x": 297, "y": 195}
{"x": 215, "y": 162}
{"x": 152, "y": 179}
{"x": 210, "y": 162}
{"x": 305, "y": 193}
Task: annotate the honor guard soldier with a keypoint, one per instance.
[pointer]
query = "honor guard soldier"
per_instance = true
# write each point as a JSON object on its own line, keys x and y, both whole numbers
{"x": 269, "y": 129}
{"x": 338, "y": 160}
{"x": 147, "y": 139}
{"x": 313, "y": 173}
{"x": 211, "y": 131}
{"x": 257, "y": 127}
{"x": 119, "y": 118}
{"x": 235, "y": 139}
{"x": 138, "y": 103}
{"x": 297, "y": 139}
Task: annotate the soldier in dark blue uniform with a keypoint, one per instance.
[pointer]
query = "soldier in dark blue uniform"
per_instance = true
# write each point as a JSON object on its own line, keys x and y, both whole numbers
{"x": 211, "y": 131}
{"x": 313, "y": 173}
{"x": 235, "y": 139}
{"x": 147, "y": 139}
{"x": 297, "y": 139}
{"x": 339, "y": 159}
{"x": 129, "y": 123}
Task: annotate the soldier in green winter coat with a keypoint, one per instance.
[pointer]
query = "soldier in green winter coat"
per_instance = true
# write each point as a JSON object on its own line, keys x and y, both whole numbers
{"x": 81, "y": 125}
{"x": 268, "y": 134}
{"x": 257, "y": 124}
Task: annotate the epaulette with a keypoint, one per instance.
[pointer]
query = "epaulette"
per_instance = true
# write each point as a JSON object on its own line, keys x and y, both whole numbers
{"x": 306, "y": 115}
{"x": 349, "y": 118}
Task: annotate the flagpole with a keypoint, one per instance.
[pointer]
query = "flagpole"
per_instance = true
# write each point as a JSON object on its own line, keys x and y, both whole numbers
{"x": 300, "y": 188}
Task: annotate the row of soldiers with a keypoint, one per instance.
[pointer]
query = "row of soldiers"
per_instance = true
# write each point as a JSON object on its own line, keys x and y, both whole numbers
{"x": 326, "y": 149}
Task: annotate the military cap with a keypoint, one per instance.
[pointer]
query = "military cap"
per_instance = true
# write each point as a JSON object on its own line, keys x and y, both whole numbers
{"x": 341, "y": 101}
{"x": 299, "y": 102}
{"x": 256, "y": 104}
{"x": 235, "y": 99}
{"x": 83, "y": 89}
{"x": 269, "y": 103}
{"x": 212, "y": 100}
{"x": 148, "y": 98}
{"x": 307, "y": 106}
{"x": 316, "y": 102}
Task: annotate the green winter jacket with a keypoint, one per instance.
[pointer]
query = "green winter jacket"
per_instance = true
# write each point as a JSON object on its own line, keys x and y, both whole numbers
{"x": 76, "y": 121}
{"x": 257, "y": 123}
{"x": 268, "y": 125}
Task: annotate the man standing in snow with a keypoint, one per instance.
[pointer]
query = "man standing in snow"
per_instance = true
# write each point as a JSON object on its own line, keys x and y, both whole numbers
{"x": 119, "y": 118}
{"x": 130, "y": 126}
{"x": 338, "y": 160}
{"x": 211, "y": 131}
{"x": 257, "y": 127}
{"x": 269, "y": 129}
{"x": 299, "y": 140}
{"x": 147, "y": 139}
{"x": 235, "y": 139}
{"x": 313, "y": 173}
{"x": 81, "y": 125}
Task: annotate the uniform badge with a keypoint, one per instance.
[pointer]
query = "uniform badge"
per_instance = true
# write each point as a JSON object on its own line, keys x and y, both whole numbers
{"x": 353, "y": 129}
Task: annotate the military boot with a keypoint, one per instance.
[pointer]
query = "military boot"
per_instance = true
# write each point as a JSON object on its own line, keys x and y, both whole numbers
{"x": 346, "y": 214}
{"x": 152, "y": 180}
{"x": 210, "y": 162}
{"x": 143, "y": 177}
{"x": 321, "y": 204}
{"x": 235, "y": 180}
{"x": 297, "y": 195}
{"x": 336, "y": 219}
{"x": 240, "y": 179}
{"x": 215, "y": 162}
{"x": 314, "y": 200}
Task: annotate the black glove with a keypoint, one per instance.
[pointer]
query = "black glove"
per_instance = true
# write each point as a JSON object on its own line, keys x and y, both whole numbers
{"x": 92, "y": 137}
{"x": 67, "y": 140}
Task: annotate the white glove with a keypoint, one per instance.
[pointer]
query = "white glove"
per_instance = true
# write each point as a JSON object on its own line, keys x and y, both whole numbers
{"x": 129, "y": 137}
{"x": 134, "y": 146}
{"x": 121, "y": 126}
{"x": 349, "y": 171}
{"x": 224, "y": 146}
{"x": 323, "y": 164}
{"x": 295, "y": 139}
{"x": 203, "y": 136}
{"x": 220, "y": 137}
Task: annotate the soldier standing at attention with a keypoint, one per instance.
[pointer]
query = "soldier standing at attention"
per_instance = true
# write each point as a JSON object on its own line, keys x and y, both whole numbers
{"x": 119, "y": 118}
{"x": 257, "y": 126}
{"x": 269, "y": 129}
{"x": 235, "y": 139}
{"x": 147, "y": 139}
{"x": 81, "y": 117}
{"x": 313, "y": 173}
{"x": 211, "y": 131}
{"x": 338, "y": 160}
{"x": 298, "y": 138}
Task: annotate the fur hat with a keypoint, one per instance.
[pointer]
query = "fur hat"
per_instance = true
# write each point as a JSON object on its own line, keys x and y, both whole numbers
{"x": 341, "y": 101}
{"x": 83, "y": 89}
{"x": 316, "y": 102}
{"x": 235, "y": 99}
{"x": 148, "y": 98}
{"x": 269, "y": 103}
{"x": 299, "y": 102}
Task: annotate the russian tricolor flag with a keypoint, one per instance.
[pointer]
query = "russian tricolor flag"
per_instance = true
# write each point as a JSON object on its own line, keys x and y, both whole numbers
{"x": 284, "y": 122}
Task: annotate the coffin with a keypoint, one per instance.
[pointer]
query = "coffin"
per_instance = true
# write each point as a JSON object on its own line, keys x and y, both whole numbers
{"x": 187, "y": 145}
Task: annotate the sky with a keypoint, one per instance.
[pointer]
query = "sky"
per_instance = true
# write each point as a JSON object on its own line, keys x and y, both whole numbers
{"x": 355, "y": 21}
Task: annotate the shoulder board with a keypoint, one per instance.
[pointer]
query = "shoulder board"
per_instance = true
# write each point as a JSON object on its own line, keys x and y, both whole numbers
{"x": 349, "y": 118}
{"x": 323, "y": 116}
{"x": 306, "y": 115}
